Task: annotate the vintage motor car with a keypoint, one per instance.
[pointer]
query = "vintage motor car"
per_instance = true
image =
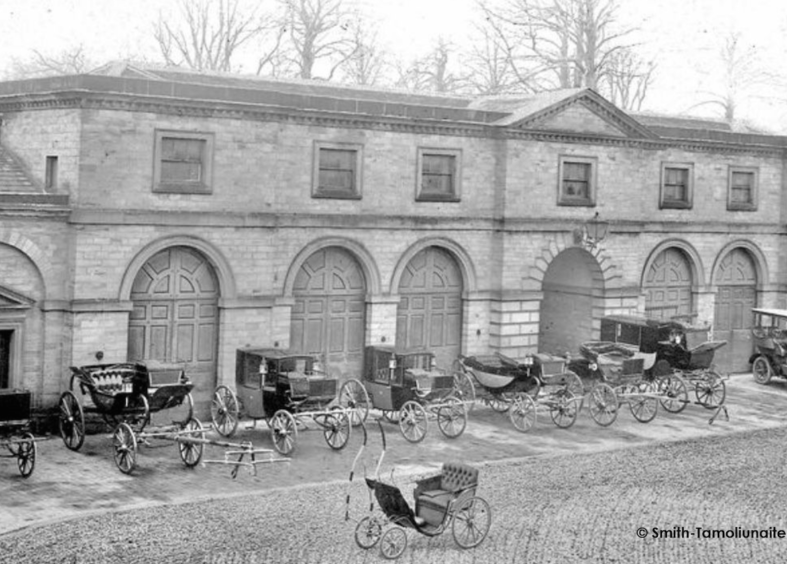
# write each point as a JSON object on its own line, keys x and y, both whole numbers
{"x": 769, "y": 333}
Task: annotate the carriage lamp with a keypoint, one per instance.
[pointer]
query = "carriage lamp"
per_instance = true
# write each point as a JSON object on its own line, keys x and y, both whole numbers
{"x": 433, "y": 364}
{"x": 263, "y": 367}
{"x": 392, "y": 363}
{"x": 592, "y": 233}
{"x": 529, "y": 361}
{"x": 593, "y": 366}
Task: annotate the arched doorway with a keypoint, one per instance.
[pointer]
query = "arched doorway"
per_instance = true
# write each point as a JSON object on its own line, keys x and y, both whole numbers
{"x": 429, "y": 315}
{"x": 175, "y": 317}
{"x": 736, "y": 281}
{"x": 328, "y": 317}
{"x": 572, "y": 282}
{"x": 668, "y": 284}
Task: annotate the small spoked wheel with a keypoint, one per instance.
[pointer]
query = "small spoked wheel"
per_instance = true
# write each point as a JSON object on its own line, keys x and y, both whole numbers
{"x": 224, "y": 411}
{"x": 522, "y": 412}
{"x": 674, "y": 392}
{"x": 574, "y": 384}
{"x": 711, "y": 391}
{"x": 137, "y": 413}
{"x": 368, "y": 532}
{"x": 124, "y": 445}
{"x": 412, "y": 421}
{"x": 26, "y": 455}
{"x": 762, "y": 370}
{"x": 393, "y": 543}
{"x": 603, "y": 404}
{"x": 471, "y": 522}
{"x": 353, "y": 396}
{"x": 336, "y": 428}
{"x": 71, "y": 421}
{"x": 191, "y": 451}
{"x": 284, "y": 431}
{"x": 452, "y": 417}
{"x": 643, "y": 405}
{"x": 565, "y": 408}
{"x": 464, "y": 389}
{"x": 183, "y": 412}
{"x": 500, "y": 402}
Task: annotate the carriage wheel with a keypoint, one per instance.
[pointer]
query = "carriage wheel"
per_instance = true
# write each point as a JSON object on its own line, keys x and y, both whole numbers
{"x": 471, "y": 523}
{"x": 522, "y": 412}
{"x": 353, "y": 396}
{"x": 391, "y": 416}
{"x": 574, "y": 384}
{"x": 412, "y": 421}
{"x": 452, "y": 417}
{"x": 184, "y": 409}
{"x": 224, "y": 411}
{"x": 464, "y": 388}
{"x": 71, "y": 421}
{"x": 762, "y": 370}
{"x": 711, "y": 391}
{"x": 644, "y": 408}
{"x": 124, "y": 444}
{"x": 368, "y": 532}
{"x": 284, "y": 431}
{"x": 137, "y": 413}
{"x": 393, "y": 543}
{"x": 565, "y": 409}
{"x": 191, "y": 452}
{"x": 603, "y": 404}
{"x": 26, "y": 455}
{"x": 675, "y": 392}
{"x": 336, "y": 428}
{"x": 500, "y": 402}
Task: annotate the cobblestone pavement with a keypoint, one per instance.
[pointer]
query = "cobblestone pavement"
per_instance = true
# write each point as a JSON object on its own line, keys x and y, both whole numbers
{"x": 551, "y": 501}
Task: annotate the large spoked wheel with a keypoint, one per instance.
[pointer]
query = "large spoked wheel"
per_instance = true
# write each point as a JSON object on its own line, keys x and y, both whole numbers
{"x": 26, "y": 455}
{"x": 412, "y": 421}
{"x": 522, "y": 412}
{"x": 565, "y": 409}
{"x": 224, "y": 411}
{"x": 603, "y": 404}
{"x": 452, "y": 417}
{"x": 336, "y": 428}
{"x": 464, "y": 389}
{"x": 500, "y": 402}
{"x": 574, "y": 384}
{"x": 643, "y": 405}
{"x": 137, "y": 414}
{"x": 191, "y": 451}
{"x": 183, "y": 412}
{"x": 674, "y": 392}
{"x": 393, "y": 543}
{"x": 353, "y": 396}
{"x": 471, "y": 523}
{"x": 762, "y": 370}
{"x": 71, "y": 421}
{"x": 711, "y": 391}
{"x": 368, "y": 532}
{"x": 284, "y": 431}
{"x": 124, "y": 445}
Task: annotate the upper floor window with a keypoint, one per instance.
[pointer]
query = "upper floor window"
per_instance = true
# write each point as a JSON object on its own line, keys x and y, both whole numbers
{"x": 438, "y": 175}
{"x": 577, "y": 181}
{"x": 337, "y": 169}
{"x": 676, "y": 185}
{"x": 742, "y": 193}
{"x": 183, "y": 162}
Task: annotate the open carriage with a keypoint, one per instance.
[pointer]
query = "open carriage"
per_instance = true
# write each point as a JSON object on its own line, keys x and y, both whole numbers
{"x": 15, "y": 435}
{"x": 540, "y": 383}
{"x": 410, "y": 389}
{"x": 122, "y": 393}
{"x": 285, "y": 389}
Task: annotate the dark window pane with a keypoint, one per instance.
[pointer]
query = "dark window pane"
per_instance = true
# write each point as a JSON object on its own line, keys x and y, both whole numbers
{"x": 437, "y": 174}
{"x": 181, "y": 159}
{"x": 676, "y": 184}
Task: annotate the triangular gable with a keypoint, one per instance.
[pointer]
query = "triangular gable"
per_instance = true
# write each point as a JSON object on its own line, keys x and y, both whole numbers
{"x": 584, "y": 112}
{"x": 14, "y": 300}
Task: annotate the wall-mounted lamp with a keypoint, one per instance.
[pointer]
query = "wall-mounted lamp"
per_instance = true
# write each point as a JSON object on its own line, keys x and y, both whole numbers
{"x": 592, "y": 232}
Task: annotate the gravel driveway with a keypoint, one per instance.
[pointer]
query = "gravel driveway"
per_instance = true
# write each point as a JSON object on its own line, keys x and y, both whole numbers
{"x": 572, "y": 508}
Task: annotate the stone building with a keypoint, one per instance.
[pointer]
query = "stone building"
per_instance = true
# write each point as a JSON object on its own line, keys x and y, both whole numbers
{"x": 164, "y": 214}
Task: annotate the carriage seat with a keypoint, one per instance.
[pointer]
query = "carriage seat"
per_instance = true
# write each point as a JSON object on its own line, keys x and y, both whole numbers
{"x": 432, "y": 495}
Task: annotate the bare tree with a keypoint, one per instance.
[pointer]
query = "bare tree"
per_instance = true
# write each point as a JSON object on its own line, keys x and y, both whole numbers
{"x": 435, "y": 72}
{"x": 73, "y": 60}
{"x": 207, "y": 33}
{"x": 489, "y": 71}
{"x": 367, "y": 60}
{"x": 627, "y": 79}
{"x": 558, "y": 43}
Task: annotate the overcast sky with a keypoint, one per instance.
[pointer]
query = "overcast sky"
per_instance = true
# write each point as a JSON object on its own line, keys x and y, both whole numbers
{"x": 684, "y": 34}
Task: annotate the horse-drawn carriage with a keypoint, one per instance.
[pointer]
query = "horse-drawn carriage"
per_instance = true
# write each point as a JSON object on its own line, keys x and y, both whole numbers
{"x": 540, "y": 382}
{"x": 408, "y": 387}
{"x": 15, "y": 432}
{"x": 285, "y": 389}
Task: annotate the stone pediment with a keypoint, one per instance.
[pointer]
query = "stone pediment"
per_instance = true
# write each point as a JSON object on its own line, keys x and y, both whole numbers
{"x": 13, "y": 300}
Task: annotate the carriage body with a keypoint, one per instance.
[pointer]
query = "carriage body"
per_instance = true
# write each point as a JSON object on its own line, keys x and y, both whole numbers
{"x": 769, "y": 335}
{"x": 15, "y": 435}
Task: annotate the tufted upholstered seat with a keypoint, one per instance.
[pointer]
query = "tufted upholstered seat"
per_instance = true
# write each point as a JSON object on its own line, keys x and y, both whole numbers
{"x": 434, "y": 494}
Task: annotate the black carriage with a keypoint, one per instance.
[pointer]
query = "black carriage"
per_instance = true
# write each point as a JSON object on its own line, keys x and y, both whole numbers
{"x": 15, "y": 435}
{"x": 539, "y": 382}
{"x": 769, "y": 333}
{"x": 284, "y": 389}
{"x": 409, "y": 389}
{"x": 122, "y": 393}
